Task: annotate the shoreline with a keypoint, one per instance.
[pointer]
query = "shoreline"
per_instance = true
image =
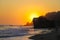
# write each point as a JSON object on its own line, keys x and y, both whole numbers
{"x": 48, "y": 36}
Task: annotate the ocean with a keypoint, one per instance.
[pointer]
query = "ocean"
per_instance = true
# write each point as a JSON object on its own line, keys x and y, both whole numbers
{"x": 19, "y": 32}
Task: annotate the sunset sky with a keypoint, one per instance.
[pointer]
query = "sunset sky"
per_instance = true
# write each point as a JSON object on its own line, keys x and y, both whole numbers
{"x": 18, "y": 12}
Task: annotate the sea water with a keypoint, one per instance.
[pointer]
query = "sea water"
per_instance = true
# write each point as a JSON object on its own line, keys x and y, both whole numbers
{"x": 19, "y": 32}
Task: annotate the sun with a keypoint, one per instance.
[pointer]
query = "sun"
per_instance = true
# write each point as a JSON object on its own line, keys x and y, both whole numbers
{"x": 33, "y": 15}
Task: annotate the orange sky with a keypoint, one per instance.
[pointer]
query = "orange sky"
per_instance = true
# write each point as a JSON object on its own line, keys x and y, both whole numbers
{"x": 18, "y": 12}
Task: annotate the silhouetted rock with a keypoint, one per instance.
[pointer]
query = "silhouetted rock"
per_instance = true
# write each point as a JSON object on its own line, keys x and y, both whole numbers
{"x": 42, "y": 22}
{"x": 51, "y": 15}
{"x": 55, "y": 16}
{"x": 28, "y": 24}
{"x": 50, "y": 20}
{"x": 35, "y": 23}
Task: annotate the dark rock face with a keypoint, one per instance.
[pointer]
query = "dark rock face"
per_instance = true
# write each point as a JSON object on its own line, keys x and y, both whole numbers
{"x": 54, "y": 16}
{"x": 35, "y": 23}
{"x": 50, "y": 20}
{"x": 42, "y": 22}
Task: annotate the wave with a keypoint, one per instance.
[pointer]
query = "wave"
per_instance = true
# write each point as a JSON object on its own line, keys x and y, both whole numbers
{"x": 11, "y": 32}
